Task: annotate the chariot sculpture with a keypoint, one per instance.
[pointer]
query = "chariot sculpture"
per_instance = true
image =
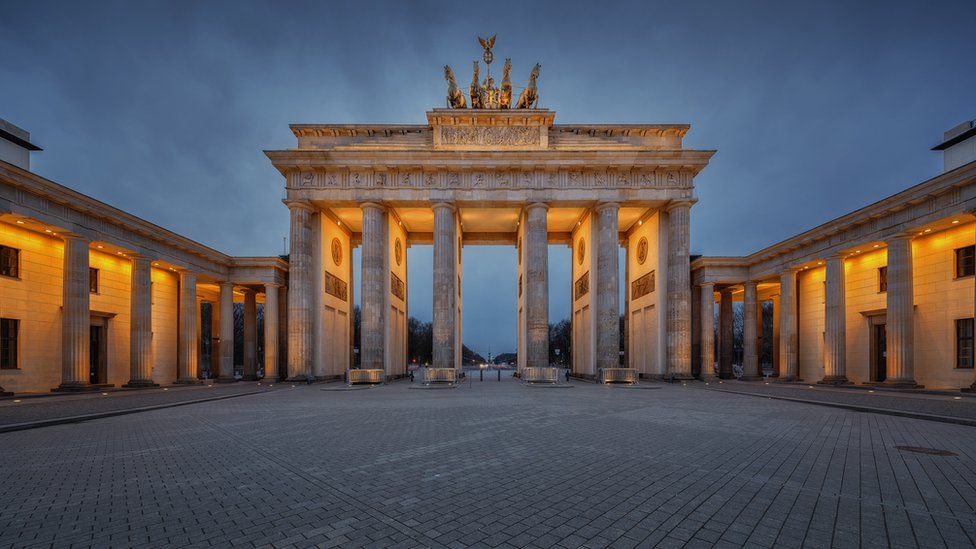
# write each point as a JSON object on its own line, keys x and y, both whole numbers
{"x": 483, "y": 93}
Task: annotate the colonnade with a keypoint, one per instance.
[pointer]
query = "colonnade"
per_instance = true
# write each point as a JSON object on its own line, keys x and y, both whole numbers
{"x": 76, "y": 318}
{"x": 900, "y": 369}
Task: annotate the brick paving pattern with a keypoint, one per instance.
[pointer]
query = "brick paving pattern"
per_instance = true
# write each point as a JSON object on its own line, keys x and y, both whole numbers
{"x": 491, "y": 465}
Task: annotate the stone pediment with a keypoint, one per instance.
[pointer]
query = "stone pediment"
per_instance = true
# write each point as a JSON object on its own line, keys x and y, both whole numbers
{"x": 472, "y": 130}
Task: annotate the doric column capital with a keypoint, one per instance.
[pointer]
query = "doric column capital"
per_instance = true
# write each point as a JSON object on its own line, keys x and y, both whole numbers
{"x": 535, "y": 205}
{"x": 902, "y": 236}
{"x": 226, "y": 284}
{"x": 271, "y": 286}
{"x": 704, "y": 285}
{"x": 606, "y": 206}
{"x": 443, "y": 204}
{"x": 73, "y": 237}
{"x": 674, "y": 204}
{"x": 300, "y": 205}
{"x": 372, "y": 206}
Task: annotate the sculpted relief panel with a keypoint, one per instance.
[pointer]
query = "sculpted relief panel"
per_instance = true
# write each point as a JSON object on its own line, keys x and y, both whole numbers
{"x": 495, "y": 179}
{"x": 490, "y": 135}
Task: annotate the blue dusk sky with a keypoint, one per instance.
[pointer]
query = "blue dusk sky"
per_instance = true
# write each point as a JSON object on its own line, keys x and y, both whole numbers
{"x": 163, "y": 108}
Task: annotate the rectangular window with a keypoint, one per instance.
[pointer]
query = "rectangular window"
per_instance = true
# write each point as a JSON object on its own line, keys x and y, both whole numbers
{"x": 965, "y": 261}
{"x": 92, "y": 280}
{"x": 9, "y": 261}
{"x": 964, "y": 343}
{"x": 9, "y": 328}
{"x": 883, "y": 279}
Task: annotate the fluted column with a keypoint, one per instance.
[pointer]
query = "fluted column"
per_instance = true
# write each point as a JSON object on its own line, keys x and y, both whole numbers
{"x": 900, "y": 317}
{"x": 679, "y": 290}
{"x": 536, "y": 281}
{"x": 189, "y": 344}
{"x": 140, "y": 323}
{"x": 250, "y": 334}
{"x": 835, "y": 323}
{"x": 283, "y": 330}
{"x": 788, "y": 358}
{"x": 750, "y": 354}
{"x": 271, "y": 332}
{"x": 375, "y": 287}
{"x": 607, "y": 287}
{"x": 226, "y": 332}
{"x": 726, "y": 335}
{"x": 75, "y": 315}
{"x": 707, "y": 331}
{"x": 301, "y": 275}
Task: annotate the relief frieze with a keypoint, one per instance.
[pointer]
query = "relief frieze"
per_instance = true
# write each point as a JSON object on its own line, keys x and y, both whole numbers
{"x": 490, "y": 135}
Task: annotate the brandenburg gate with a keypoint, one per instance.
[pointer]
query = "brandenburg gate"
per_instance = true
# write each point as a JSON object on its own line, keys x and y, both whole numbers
{"x": 500, "y": 175}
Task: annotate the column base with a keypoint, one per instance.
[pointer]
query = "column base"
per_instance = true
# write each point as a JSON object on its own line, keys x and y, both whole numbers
{"x": 78, "y": 387}
{"x": 226, "y": 380}
{"x": 726, "y": 375}
{"x": 141, "y": 384}
{"x": 190, "y": 381}
{"x": 683, "y": 376}
{"x": 900, "y": 384}
{"x": 788, "y": 379}
{"x": 834, "y": 380}
{"x": 751, "y": 378}
{"x": 251, "y": 377}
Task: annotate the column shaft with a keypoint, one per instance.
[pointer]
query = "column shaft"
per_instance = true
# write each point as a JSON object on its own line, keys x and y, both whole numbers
{"x": 789, "y": 364}
{"x": 75, "y": 315}
{"x": 679, "y": 291}
{"x": 373, "y": 323}
{"x": 189, "y": 344}
{"x": 900, "y": 318}
{"x": 300, "y": 294}
{"x": 226, "y": 350}
{"x": 271, "y": 332}
{"x": 283, "y": 330}
{"x": 250, "y": 335}
{"x": 536, "y": 282}
{"x": 607, "y": 287}
{"x": 835, "y": 322}
{"x": 750, "y": 354}
{"x": 140, "y": 324}
{"x": 726, "y": 335}
{"x": 707, "y": 331}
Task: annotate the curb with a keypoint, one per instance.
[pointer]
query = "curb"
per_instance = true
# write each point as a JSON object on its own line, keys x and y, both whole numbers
{"x": 87, "y": 417}
{"x": 861, "y": 408}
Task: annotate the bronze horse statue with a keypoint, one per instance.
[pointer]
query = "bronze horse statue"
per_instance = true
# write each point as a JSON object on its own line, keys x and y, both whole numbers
{"x": 505, "y": 101}
{"x": 455, "y": 99}
{"x": 530, "y": 95}
{"x": 475, "y": 91}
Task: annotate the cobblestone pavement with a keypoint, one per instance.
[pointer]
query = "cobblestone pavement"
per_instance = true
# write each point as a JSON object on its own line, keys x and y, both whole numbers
{"x": 491, "y": 465}
{"x": 39, "y": 408}
{"x": 961, "y": 405}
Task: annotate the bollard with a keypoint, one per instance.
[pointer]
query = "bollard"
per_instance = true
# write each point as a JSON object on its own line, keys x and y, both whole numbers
{"x": 499, "y": 375}
{"x": 482, "y": 373}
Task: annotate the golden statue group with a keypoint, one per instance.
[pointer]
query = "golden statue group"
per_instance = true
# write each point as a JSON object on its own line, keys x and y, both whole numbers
{"x": 484, "y": 94}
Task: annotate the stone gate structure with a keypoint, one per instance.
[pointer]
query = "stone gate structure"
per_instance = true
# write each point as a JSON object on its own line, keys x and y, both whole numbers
{"x": 500, "y": 176}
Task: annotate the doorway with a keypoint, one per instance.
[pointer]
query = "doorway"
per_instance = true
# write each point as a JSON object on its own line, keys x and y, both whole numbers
{"x": 879, "y": 351}
{"x": 98, "y": 351}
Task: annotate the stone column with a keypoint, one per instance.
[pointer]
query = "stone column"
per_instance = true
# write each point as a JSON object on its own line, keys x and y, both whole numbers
{"x": 250, "y": 334}
{"x": 301, "y": 274}
{"x": 679, "y": 290}
{"x": 226, "y": 332}
{"x": 726, "y": 337}
{"x": 707, "y": 331}
{"x": 835, "y": 322}
{"x": 788, "y": 360}
{"x": 375, "y": 288}
{"x": 900, "y": 317}
{"x": 536, "y": 282}
{"x": 140, "y": 323}
{"x": 189, "y": 343}
{"x": 750, "y": 354}
{"x": 607, "y": 287}
{"x": 282, "y": 369}
{"x": 75, "y": 315}
{"x": 271, "y": 332}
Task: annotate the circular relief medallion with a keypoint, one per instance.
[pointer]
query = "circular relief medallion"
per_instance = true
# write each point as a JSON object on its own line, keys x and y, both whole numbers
{"x": 336, "y": 252}
{"x": 398, "y": 251}
{"x": 642, "y": 250}
{"x": 581, "y": 251}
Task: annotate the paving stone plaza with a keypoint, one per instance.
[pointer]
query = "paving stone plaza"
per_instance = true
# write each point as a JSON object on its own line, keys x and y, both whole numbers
{"x": 489, "y": 464}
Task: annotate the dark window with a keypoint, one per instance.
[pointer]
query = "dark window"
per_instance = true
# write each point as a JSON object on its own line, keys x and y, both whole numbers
{"x": 93, "y": 280}
{"x": 9, "y": 261}
{"x": 882, "y": 279}
{"x": 8, "y": 343}
{"x": 964, "y": 343}
{"x": 965, "y": 261}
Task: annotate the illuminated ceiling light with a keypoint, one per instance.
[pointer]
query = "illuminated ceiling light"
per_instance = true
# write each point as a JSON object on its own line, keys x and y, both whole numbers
{"x": 928, "y": 230}
{"x": 339, "y": 223}
{"x": 21, "y": 222}
{"x": 99, "y": 246}
{"x": 120, "y": 253}
{"x": 857, "y": 251}
{"x": 820, "y": 263}
{"x": 155, "y": 264}
{"x": 640, "y": 222}
{"x": 919, "y": 234}
{"x": 877, "y": 245}
{"x": 47, "y": 230}
{"x": 954, "y": 221}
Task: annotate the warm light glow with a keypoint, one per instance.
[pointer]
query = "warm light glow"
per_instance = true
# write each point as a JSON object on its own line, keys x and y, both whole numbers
{"x": 857, "y": 251}
{"x": 820, "y": 263}
{"x": 640, "y": 222}
{"x": 100, "y": 246}
{"x": 21, "y": 222}
{"x": 47, "y": 230}
{"x": 877, "y": 245}
{"x": 954, "y": 221}
{"x": 928, "y": 230}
